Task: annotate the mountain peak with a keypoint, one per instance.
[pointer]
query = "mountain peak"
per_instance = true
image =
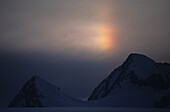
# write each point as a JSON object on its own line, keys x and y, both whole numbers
{"x": 36, "y": 78}
{"x": 140, "y": 64}
{"x": 30, "y": 94}
{"x": 139, "y": 57}
{"x": 34, "y": 92}
{"x": 37, "y": 92}
{"x": 133, "y": 55}
{"x": 137, "y": 74}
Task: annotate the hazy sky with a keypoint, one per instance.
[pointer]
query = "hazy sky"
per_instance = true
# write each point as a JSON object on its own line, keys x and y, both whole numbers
{"x": 75, "y": 44}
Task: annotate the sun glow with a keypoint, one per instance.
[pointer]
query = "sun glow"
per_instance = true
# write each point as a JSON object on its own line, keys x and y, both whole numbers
{"x": 105, "y": 29}
{"x": 105, "y": 37}
{"x": 95, "y": 37}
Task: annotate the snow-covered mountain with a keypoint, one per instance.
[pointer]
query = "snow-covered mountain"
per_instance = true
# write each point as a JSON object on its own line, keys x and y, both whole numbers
{"x": 39, "y": 93}
{"x": 138, "y": 82}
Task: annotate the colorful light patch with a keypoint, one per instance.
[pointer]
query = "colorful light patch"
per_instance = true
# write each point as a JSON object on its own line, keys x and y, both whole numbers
{"x": 105, "y": 37}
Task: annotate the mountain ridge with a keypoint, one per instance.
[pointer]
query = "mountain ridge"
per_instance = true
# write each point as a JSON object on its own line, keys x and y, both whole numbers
{"x": 138, "y": 82}
{"x": 137, "y": 72}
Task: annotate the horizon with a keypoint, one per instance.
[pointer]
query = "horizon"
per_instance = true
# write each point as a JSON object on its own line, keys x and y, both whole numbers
{"x": 70, "y": 43}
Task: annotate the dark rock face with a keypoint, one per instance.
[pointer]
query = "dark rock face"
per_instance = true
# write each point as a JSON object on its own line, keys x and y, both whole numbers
{"x": 28, "y": 95}
{"x": 158, "y": 78}
{"x": 164, "y": 102}
{"x": 155, "y": 81}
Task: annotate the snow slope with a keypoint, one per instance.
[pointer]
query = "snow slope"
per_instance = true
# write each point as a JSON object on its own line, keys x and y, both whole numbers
{"x": 82, "y": 109}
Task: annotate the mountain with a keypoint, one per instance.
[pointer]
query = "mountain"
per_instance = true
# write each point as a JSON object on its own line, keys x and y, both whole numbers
{"x": 138, "y": 82}
{"x": 37, "y": 92}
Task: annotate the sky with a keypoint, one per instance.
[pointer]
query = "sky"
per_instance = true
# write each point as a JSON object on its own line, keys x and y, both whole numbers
{"x": 75, "y": 44}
